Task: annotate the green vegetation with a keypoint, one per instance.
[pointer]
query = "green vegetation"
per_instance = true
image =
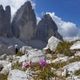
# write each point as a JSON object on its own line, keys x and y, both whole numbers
{"x": 42, "y": 73}
{"x": 58, "y": 65}
{"x": 45, "y": 74}
{"x": 17, "y": 66}
{"x": 76, "y": 58}
{"x": 3, "y": 77}
{"x": 19, "y": 53}
{"x": 77, "y": 73}
{"x": 64, "y": 48}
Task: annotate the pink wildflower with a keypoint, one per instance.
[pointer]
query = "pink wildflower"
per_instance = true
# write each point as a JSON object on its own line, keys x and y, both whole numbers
{"x": 42, "y": 62}
{"x": 26, "y": 65}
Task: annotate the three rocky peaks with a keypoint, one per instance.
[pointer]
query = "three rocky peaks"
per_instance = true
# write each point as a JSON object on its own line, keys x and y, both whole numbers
{"x": 25, "y": 28}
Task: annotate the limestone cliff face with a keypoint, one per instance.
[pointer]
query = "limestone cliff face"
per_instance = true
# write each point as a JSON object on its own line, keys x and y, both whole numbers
{"x": 47, "y": 28}
{"x": 5, "y": 24}
{"x": 24, "y": 22}
{"x": 24, "y": 27}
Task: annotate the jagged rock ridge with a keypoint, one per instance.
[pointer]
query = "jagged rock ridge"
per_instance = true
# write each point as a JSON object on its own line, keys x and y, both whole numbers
{"x": 5, "y": 24}
{"x": 24, "y": 22}
{"x": 47, "y": 28}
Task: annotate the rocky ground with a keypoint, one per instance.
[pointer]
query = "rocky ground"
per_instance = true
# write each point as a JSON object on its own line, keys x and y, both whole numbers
{"x": 34, "y": 64}
{"x": 54, "y": 62}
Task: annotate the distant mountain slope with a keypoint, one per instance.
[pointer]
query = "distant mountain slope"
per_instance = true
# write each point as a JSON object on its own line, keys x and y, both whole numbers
{"x": 5, "y": 21}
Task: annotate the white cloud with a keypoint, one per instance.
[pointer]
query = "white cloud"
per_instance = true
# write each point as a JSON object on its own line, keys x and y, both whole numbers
{"x": 38, "y": 19}
{"x": 15, "y": 4}
{"x": 66, "y": 29}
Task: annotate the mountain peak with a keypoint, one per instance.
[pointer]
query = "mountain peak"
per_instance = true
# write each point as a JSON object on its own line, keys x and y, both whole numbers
{"x": 47, "y": 16}
{"x": 24, "y": 22}
{"x": 47, "y": 28}
{"x": 5, "y": 18}
{"x": 28, "y": 3}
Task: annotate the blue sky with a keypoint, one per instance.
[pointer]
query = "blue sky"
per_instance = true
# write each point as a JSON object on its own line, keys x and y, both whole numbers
{"x": 68, "y": 10}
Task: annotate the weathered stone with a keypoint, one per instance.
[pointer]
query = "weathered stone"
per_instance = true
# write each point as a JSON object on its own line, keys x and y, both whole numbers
{"x": 3, "y": 57}
{"x": 1, "y": 67}
{"x": 33, "y": 55}
{"x": 6, "y": 69}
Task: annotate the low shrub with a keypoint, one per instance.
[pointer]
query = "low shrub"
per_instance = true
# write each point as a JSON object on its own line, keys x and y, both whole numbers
{"x": 64, "y": 48}
{"x": 77, "y": 73}
{"x": 3, "y": 77}
{"x": 58, "y": 65}
{"x": 77, "y": 58}
{"x": 46, "y": 73}
{"x": 19, "y": 53}
{"x": 17, "y": 66}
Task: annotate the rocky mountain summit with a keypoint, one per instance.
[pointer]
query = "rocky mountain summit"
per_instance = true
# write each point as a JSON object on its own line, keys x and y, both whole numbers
{"x": 5, "y": 21}
{"x": 24, "y": 22}
{"x": 24, "y": 26}
{"x": 47, "y": 28}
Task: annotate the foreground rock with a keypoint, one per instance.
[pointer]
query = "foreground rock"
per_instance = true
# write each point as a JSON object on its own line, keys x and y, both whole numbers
{"x": 33, "y": 55}
{"x": 5, "y": 67}
{"x": 4, "y": 62}
{"x": 72, "y": 67}
{"x": 1, "y": 67}
{"x": 3, "y": 57}
{"x": 25, "y": 49}
{"x": 75, "y": 48}
{"x": 73, "y": 78}
{"x": 47, "y": 28}
{"x": 17, "y": 75}
{"x": 52, "y": 43}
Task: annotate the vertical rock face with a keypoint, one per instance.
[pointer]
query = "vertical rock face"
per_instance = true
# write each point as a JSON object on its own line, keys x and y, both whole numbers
{"x": 24, "y": 26}
{"x": 5, "y": 24}
{"x": 47, "y": 28}
{"x": 24, "y": 22}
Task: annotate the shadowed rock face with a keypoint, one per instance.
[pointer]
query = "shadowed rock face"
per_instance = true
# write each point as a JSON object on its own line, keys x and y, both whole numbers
{"x": 5, "y": 24}
{"x": 24, "y": 22}
{"x": 47, "y": 28}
